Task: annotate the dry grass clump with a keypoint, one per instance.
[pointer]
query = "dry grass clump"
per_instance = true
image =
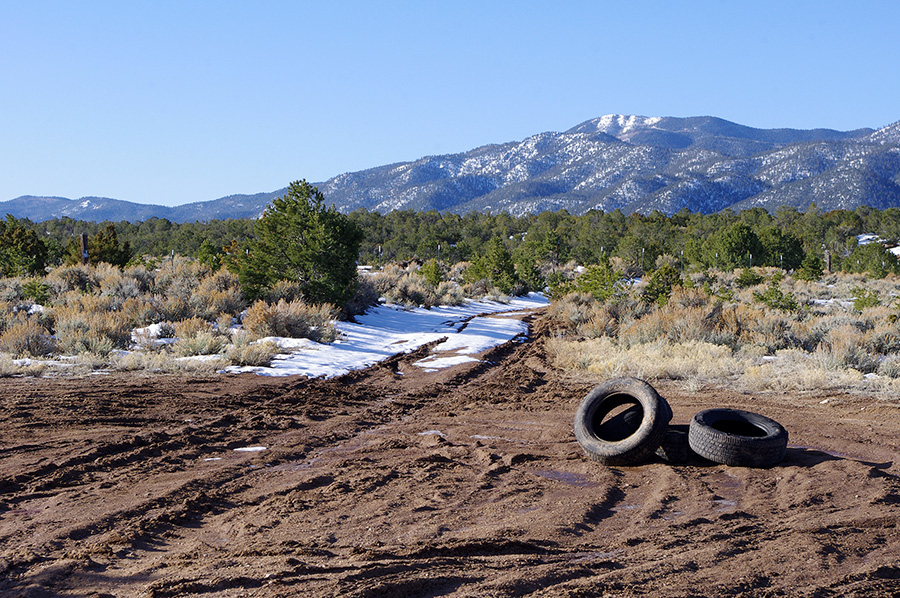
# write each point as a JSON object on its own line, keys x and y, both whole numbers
{"x": 691, "y": 360}
{"x": 198, "y": 337}
{"x": 294, "y": 319}
{"x": 246, "y": 352}
{"x": 406, "y": 286}
{"x": 823, "y": 341}
{"x": 89, "y": 323}
{"x": 27, "y": 338}
{"x": 9, "y": 368}
{"x": 161, "y": 362}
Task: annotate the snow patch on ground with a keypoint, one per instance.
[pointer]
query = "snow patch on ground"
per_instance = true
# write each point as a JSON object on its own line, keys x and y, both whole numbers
{"x": 386, "y": 330}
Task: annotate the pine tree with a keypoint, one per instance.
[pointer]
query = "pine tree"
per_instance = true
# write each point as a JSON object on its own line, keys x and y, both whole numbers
{"x": 298, "y": 238}
{"x": 22, "y": 251}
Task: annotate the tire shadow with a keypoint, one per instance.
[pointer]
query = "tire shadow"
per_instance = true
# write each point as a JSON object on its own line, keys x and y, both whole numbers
{"x": 804, "y": 456}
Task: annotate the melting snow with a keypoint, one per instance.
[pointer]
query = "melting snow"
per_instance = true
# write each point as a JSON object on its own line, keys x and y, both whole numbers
{"x": 387, "y": 330}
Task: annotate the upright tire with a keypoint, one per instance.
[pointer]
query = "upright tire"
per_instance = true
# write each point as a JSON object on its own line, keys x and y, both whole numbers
{"x": 632, "y": 434}
{"x": 738, "y": 438}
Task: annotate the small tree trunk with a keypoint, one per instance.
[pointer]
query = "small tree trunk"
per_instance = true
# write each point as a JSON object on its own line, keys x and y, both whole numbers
{"x": 84, "y": 248}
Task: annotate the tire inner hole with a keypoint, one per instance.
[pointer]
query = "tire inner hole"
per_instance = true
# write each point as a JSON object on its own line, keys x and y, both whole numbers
{"x": 621, "y": 420}
{"x": 738, "y": 428}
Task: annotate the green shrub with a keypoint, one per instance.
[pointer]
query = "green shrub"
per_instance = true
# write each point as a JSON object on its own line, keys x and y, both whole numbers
{"x": 748, "y": 278}
{"x": 36, "y": 290}
{"x": 863, "y": 298}
{"x": 299, "y": 238}
{"x": 660, "y": 286}
{"x": 811, "y": 268}
{"x": 432, "y": 272}
{"x": 496, "y": 266}
{"x": 775, "y": 298}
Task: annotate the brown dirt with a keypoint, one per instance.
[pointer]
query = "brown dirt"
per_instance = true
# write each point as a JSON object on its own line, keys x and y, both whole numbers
{"x": 396, "y": 482}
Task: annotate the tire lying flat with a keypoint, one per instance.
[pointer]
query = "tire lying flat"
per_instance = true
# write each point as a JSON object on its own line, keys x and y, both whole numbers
{"x": 738, "y": 438}
{"x": 630, "y": 436}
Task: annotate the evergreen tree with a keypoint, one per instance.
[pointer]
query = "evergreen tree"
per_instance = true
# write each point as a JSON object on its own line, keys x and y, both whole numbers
{"x": 298, "y": 238}
{"x": 496, "y": 265}
{"x": 102, "y": 247}
{"x": 22, "y": 252}
{"x": 781, "y": 249}
{"x": 811, "y": 268}
{"x": 735, "y": 245}
{"x": 659, "y": 289}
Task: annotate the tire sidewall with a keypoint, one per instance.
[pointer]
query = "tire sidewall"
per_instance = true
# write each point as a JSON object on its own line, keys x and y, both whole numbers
{"x": 735, "y": 449}
{"x": 606, "y": 397}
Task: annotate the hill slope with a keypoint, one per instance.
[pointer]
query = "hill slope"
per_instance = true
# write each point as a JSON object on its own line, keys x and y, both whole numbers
{"x": 630, "y": 163}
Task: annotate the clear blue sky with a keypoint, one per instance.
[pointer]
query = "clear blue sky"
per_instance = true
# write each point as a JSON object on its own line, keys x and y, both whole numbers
{"x": 170, "y": 102}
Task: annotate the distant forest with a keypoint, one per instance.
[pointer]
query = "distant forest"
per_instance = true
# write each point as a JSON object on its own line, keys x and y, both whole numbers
{"x": 694, "y": 241}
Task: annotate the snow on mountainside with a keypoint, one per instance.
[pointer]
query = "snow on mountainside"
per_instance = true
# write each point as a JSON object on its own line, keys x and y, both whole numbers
{"x": 889, "y": 134}
{"x": 625, "y": 162}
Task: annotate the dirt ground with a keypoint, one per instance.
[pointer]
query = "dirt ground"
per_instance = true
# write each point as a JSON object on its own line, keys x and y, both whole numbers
{"x": 397, "y": 482}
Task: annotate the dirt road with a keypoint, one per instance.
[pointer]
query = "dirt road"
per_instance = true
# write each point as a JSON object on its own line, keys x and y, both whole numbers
{"x": 397, "y": 482}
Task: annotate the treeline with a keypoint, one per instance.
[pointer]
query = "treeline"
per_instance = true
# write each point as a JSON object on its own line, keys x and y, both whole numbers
{"x": 691, "y": 241}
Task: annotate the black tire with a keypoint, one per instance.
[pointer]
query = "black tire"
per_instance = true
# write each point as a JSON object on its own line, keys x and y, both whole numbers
{"x": 621, "y": 439}
{"x": 674, "y": 448}
{"x": 738, "y": 438}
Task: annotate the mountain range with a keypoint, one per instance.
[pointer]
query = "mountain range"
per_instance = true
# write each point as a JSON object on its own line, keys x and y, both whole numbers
{"x": 631, "y": 163}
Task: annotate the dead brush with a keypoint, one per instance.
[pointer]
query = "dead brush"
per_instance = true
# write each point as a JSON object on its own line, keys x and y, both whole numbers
{"x": 178, "y": 278}
{"x": 209, "y": 304}
{"x": 7, "y": 314}
{"x": 172, "y": 307}
{"x": 9, "y": 368}
{"x": 139, "y": 312}
{"x": 245, "y": 352}
{"x": 845, "y": 347}
{"x": 11, "y": 290}
{"x": 678, "y": 324}
{"x": 484, "y": 290}
{"x": 294, "y": 319}
{"x": 216, "y": 294}
{"x": 81, "y": 278}
{"x": 145, "y": 279}
{"x": 119, "y": 287}
{"x": 404, "y": 287}
{"x": 772, "y": 330}
{"x": 602, "y": 323}
{"x": 889, "y": 366}
{"x": 197, "y": 337}
{"x": 86, "y": 323}
{"x": 573, "y": 310}
{"x": 682, "y": 297}
{"x": 289, "y": 290}
{"x": 27, "y": 338}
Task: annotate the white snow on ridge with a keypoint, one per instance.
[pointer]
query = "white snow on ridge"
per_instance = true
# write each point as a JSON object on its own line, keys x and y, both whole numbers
{"x": 387, "y": 330}
{"x": 618, "y": 124}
